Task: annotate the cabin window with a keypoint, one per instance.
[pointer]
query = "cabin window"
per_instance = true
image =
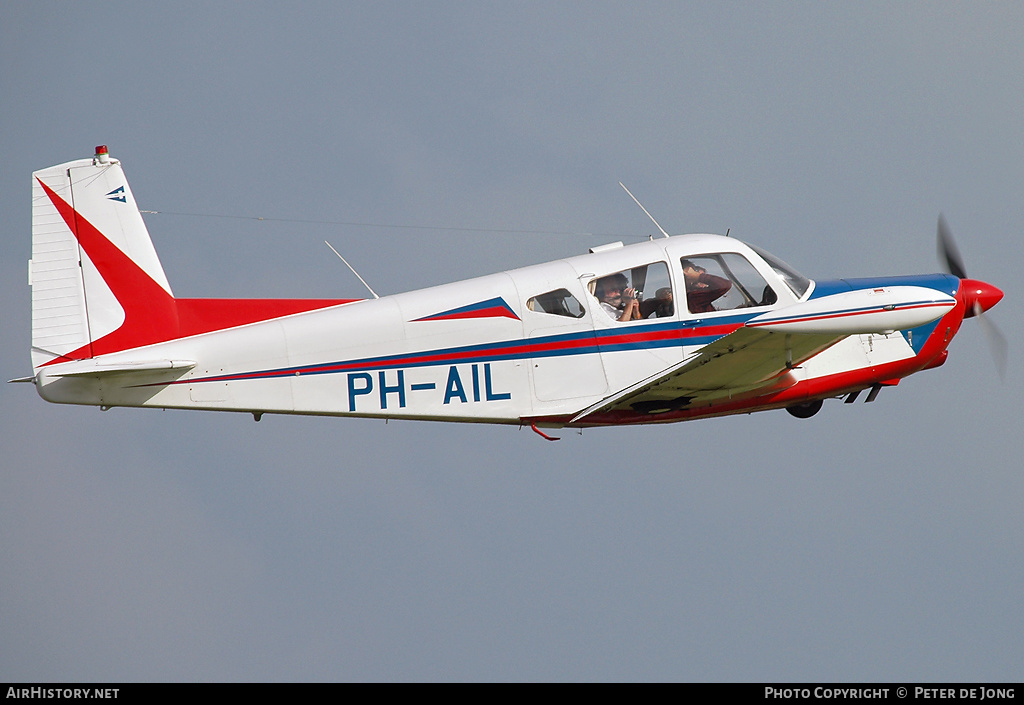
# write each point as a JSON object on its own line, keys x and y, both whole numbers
{"x": 558, "y": 302}
{"x": 635, "y": 294}
{"x": 724, "y": 282}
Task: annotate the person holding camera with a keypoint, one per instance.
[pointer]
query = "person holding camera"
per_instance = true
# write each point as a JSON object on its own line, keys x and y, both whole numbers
{"x": 618, "y": 299}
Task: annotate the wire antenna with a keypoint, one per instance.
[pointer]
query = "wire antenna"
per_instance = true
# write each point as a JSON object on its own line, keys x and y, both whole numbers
{"x": 644, "y": 209}
{"x": 353, "y": 269}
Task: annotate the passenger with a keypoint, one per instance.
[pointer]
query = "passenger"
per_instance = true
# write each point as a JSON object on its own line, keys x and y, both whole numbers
{"x": 702, "y": 288}
{"x": 660, "y": 306}
{"x": 617, "y": 300}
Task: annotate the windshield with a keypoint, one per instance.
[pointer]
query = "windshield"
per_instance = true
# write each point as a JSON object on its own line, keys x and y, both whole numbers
{"x": 794, "y": 279}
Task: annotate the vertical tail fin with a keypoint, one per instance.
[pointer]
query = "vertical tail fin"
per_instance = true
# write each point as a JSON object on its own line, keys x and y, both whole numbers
{"x": 97, "y": 283}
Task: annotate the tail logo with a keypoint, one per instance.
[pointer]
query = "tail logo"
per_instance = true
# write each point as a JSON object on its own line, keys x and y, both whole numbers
{"x": 117, "y": 195}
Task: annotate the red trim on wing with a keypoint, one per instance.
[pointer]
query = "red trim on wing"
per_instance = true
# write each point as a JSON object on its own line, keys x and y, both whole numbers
{"x": 151, "y": 315}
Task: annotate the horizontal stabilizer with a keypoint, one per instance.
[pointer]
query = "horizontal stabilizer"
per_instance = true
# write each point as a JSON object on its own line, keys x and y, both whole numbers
{"x": 89, "y": 368}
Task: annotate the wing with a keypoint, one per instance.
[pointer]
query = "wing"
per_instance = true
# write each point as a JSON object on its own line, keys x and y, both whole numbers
{"x": 758, "y": 357}
{"x": 746, "y": 360}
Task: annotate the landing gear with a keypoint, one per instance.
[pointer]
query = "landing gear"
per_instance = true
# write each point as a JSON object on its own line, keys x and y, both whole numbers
{"x": 805, "y": 410}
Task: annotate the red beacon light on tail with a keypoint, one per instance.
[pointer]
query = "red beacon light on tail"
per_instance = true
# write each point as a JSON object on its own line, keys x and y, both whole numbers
{"x": 102, "y": 155}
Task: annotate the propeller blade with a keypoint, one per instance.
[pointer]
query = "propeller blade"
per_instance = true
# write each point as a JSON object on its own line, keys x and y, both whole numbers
{"x": 948, "y": 252}
{"x": 996, "y": 341}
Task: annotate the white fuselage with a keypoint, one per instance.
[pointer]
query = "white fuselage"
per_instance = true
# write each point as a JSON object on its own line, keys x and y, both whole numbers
{"x": 409, "y": 356}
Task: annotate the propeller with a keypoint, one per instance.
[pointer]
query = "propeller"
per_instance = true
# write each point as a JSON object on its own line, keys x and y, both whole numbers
{"x": 978, "y": 296}
{"x": 949, "y": 252}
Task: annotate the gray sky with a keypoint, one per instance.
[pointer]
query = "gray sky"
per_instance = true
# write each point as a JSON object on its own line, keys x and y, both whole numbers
{"x": 873, "y": 542}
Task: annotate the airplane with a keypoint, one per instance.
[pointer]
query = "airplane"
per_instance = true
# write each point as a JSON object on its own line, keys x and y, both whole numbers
{"x": 672, "y": 329}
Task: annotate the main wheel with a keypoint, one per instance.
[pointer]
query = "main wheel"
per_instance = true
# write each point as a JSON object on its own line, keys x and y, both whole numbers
{"x": 805, "y": 410}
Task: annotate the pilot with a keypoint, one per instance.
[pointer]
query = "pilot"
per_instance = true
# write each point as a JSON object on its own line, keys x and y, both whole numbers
{"x": 702, "y": 288}
{"x": 617, "y": 299}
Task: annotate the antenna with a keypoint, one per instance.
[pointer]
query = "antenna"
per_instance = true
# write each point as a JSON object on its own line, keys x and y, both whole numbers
{"x": 644, "y": 209}
{"x": 353, "y": 269}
